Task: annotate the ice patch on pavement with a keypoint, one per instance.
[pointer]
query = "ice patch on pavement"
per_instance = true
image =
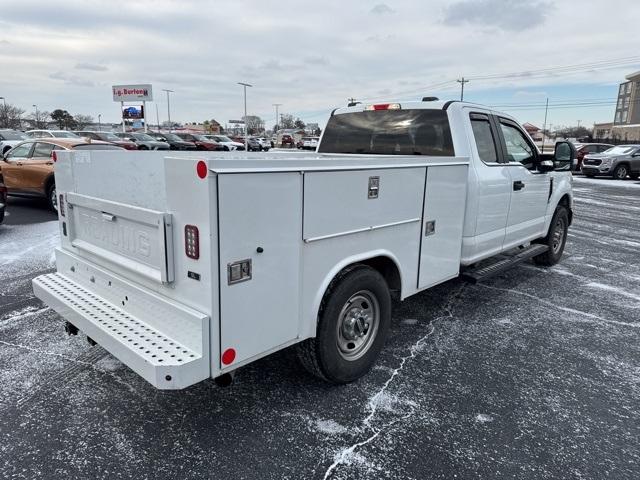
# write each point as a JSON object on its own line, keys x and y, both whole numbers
{"x": 109, "y": 364}
{"x": 610, "y": 288}
{"x": 330, "y": 427}
{"x": 483, "y": 418}
{"x": 28, "y": 248}
{"x": 20, "y": 314}
{"x": 409, "y": 321}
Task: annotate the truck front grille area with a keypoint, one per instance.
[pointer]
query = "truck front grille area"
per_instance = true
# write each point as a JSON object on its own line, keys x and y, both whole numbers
{"x": 592, "y": 161}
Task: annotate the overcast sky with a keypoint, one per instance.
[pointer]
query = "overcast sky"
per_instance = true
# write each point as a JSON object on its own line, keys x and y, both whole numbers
{"x": 312, "y": 56}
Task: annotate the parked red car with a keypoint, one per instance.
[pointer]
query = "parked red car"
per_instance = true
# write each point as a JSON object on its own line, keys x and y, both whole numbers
{"x": 202, "y": 142}
{"x": 587, "y": 148}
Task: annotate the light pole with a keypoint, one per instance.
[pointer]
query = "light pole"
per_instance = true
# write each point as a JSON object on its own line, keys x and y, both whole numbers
{"x": 5, "y": 117}
{"x": 37, "y": 120}
{"x": 277, "y": 105}
{"x": 246, "y": 139}
{"x": 168, "y": 107}
{"x": 99, "y": 122}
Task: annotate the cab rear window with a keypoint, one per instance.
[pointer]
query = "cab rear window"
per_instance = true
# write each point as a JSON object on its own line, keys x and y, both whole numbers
{"x": 94, "y": 146}
{"x": 389, "y": 132}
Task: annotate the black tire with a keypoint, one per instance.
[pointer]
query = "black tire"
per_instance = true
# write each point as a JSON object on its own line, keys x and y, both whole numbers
{"x": 358, "y": 288}
{"x": 589, "y": 175}
{"x": 143, "y": 147}
{"x": 225, "y": 148}
{"x": 554, "y": 240}
{"x": 52, "y": 199}
{"x": 620, "y": 172}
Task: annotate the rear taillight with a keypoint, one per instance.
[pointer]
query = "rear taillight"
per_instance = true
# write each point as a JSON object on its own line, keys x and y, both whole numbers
{"x": 383, "y": 106}
{"x": 61, "y": 205}
{"x": 54, "y": 156}
{"x": 192, "y": 242}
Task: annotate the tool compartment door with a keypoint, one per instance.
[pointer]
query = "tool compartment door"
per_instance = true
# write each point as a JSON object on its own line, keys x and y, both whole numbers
{"x": 442, "y": 223}
{"x": 260, "y": 217}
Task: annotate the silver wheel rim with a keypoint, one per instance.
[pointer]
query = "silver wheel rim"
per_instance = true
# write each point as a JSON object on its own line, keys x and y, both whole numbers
{"x": 621, "y": 172}
{"x": 558, "y": 235}
{"x": 358, "y": 325}
{"x": 54, "y": 199}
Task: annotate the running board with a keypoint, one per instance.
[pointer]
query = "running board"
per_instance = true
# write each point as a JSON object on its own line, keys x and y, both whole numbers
{"x": 475, "y": 275}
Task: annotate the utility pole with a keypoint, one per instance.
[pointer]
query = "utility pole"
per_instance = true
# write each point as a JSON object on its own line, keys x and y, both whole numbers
{"x": 168, "y": 107}
{"x": 246, "y": 139}
{"x": 544, "y": 127}
{"x": 462, "y": 81}
{"x": 277, "y": 105}
{"x": 157, "y": 117}
{"x": 5, "y": 116}
{"x": 37, "y": 117}
{"x": 99, "y": 122}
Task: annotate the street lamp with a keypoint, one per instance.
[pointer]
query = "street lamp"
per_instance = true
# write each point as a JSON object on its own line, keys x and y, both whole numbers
{"x": 246, "y": 139}
{"x": 277, "y": 105}
{"x": 5, "y": 117}
{"x": 168, "y": 107}
{"x": 37, "y": 121}
{"x": 99, "y": 122}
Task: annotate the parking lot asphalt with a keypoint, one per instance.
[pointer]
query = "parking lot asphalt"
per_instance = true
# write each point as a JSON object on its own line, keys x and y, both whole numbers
{"x": 533, "y": 374}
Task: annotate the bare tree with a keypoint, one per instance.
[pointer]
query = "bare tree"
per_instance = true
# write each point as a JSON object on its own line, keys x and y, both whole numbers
{"x": 82, "y": 120}
{"x": 38, "y": 119}
{"x": 254, "y": 124}
{"x": 286, "y": 121}
{"x": 11, "y": 116}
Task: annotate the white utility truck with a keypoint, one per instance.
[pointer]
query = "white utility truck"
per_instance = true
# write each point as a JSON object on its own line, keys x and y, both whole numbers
{"x": 186, "y": 266}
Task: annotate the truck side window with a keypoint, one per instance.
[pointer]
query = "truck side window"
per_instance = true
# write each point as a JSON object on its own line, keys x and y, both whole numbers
{"x": 518, "y": 149}
{"x": 484, "y": 140}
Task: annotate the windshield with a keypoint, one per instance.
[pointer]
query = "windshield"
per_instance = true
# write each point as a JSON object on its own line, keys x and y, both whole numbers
{"x": 389, "y": 132}
{"x": 202, "y": 138}
{"x": 109, "y": 137}
{"x": 11, "y": 135}
{"x": 222, "y": 138}
{"x": 63, "y": 134}
{"x": 621, "y": 150}
{"x": 143, "y": 136}
{"x": 171, "y": 137}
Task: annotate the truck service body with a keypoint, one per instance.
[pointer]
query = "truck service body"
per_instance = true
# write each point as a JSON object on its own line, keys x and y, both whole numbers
{"x": 186, "y": 266}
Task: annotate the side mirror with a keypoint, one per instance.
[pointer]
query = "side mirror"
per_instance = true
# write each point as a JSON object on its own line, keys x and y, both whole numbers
{"x": 565, "y": 156}
{"x": 546, "y": 166}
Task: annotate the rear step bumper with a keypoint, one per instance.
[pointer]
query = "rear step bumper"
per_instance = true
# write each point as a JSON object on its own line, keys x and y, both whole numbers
{"x": 151, "y": 353}
{"x": 475, "y": 275}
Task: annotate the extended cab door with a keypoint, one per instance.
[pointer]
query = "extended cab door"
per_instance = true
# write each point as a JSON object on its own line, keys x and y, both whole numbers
{"x": 37, "y": 168}
{"x": 530, "y": 190}
{"x": 489, "y": 185}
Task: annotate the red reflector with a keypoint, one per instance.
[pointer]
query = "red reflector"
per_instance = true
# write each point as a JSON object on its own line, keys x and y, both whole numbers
{"x": 228, "y": 356}
{"x": 202, "y": 169}
{"x": 192, "y": 242}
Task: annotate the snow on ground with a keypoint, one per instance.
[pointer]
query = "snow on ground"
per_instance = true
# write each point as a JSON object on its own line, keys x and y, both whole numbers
{"x": 534, "y": 374}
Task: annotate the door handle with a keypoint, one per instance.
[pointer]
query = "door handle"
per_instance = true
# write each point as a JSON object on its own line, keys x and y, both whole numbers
{"x": 518, "y": 185}
{"x": 19, "y": 164}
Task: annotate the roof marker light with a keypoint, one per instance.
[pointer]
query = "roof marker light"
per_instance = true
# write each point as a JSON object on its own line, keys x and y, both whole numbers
{"x": 383, "y": 106}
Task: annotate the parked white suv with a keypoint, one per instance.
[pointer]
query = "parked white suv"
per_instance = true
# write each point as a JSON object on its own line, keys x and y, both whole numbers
{"x": 9, "y": 139}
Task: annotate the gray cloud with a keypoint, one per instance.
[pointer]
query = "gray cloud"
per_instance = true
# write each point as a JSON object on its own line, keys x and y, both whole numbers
{"x": 72, "y": 79}
{"x": 91, "y": 66}
{"x": 382, "y": 9}
{"x": 313, "y": 60}
{"x": 514, "y": 15}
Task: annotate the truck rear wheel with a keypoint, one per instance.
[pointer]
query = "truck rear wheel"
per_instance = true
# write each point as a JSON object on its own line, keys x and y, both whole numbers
{"x": 353, "y": 325}
{"x": 556, "y": 238}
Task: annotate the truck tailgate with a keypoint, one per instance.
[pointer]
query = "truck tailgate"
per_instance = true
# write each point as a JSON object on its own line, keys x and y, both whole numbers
{"x": 111, "y": 233}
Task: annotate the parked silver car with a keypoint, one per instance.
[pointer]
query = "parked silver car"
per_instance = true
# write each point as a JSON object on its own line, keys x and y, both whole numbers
{"x": 144, "y": 141}
{"x": 617, "y": 162}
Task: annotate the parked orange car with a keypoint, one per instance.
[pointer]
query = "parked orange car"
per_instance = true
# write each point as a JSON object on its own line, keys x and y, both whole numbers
{"x": 27, "y": 169}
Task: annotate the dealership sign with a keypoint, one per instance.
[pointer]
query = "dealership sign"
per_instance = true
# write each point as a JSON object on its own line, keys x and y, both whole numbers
{"x": 132, "y": 93}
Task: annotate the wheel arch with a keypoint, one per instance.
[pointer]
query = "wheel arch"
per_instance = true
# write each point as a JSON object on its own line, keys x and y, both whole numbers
{"x": 48, "y": 181}
{"x": 383, "y": 261}
{"x": 565, "y": 201}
